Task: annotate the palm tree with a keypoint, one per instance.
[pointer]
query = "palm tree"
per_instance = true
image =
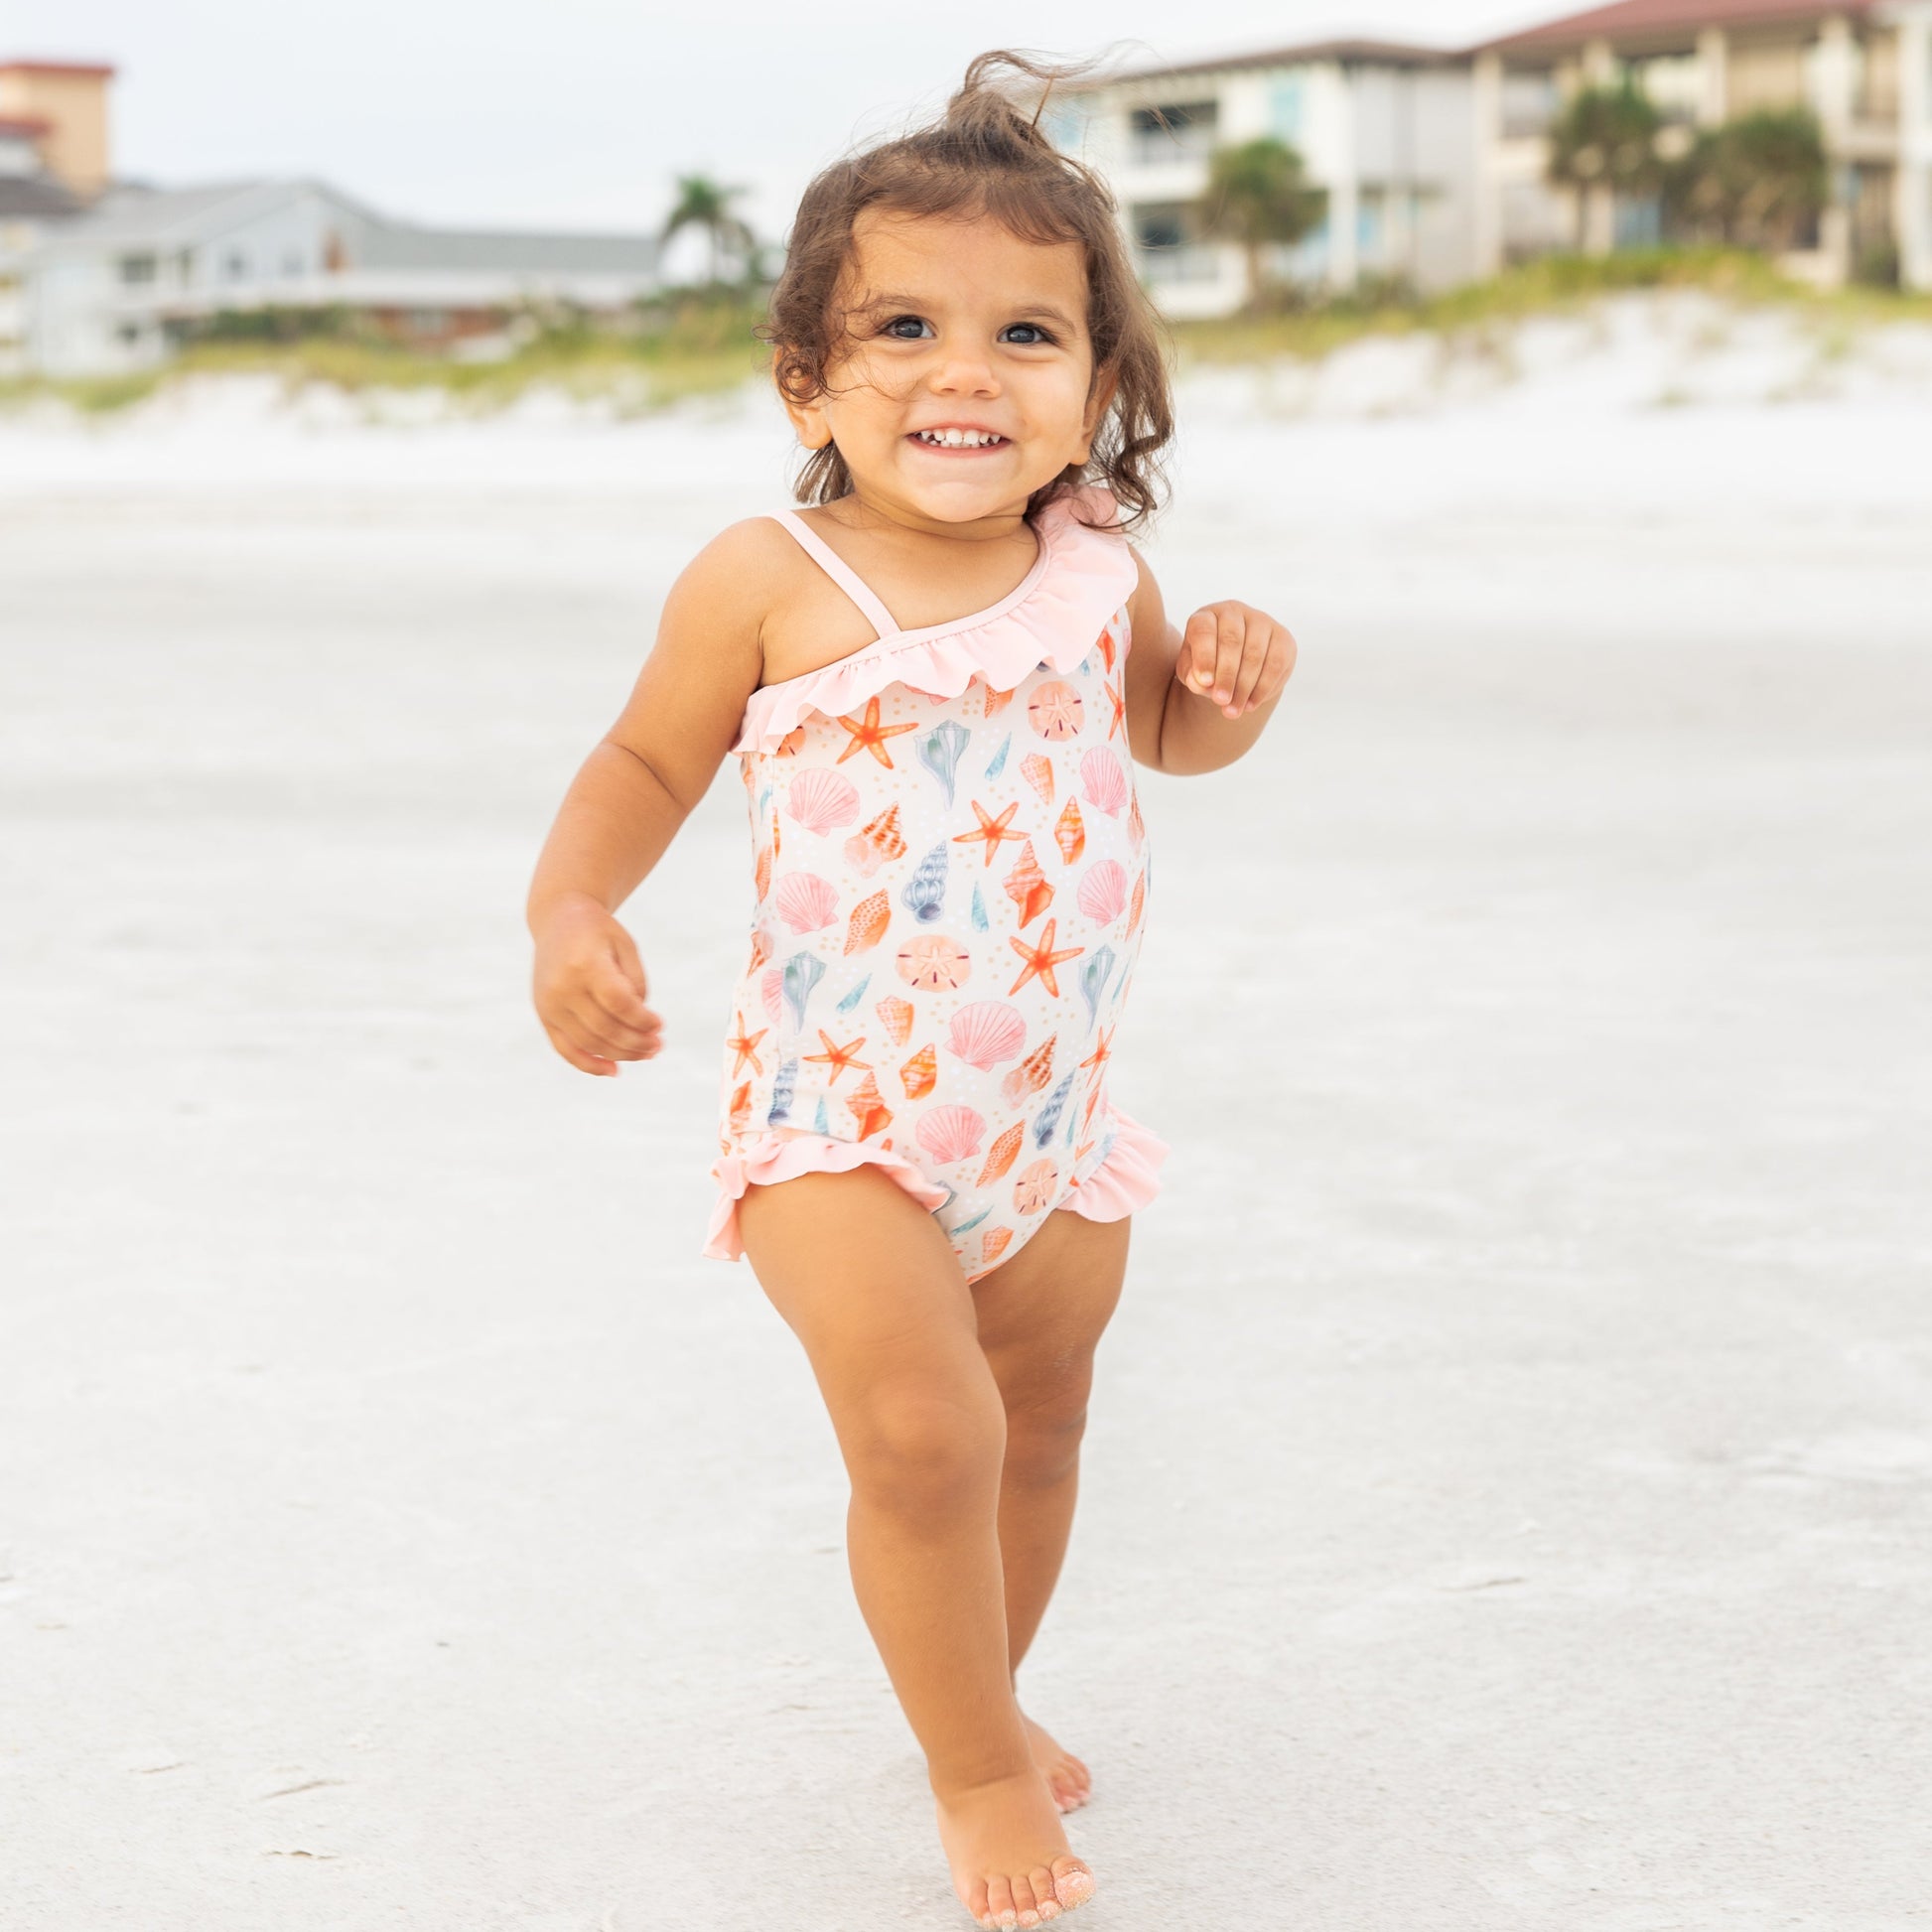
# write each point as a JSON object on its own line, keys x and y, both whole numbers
{"x": 701, "y": 203}
{"x": 1256, "y": 194}
{"x": 1605, "y": 142}
{"x": 1758, "y": 181}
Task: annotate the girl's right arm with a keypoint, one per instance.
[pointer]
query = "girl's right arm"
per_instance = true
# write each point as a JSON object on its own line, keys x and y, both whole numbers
{"x": 636, "y": 787}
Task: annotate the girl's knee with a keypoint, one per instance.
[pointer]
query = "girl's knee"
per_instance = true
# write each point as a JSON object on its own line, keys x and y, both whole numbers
{"x": 922, "y": 1449}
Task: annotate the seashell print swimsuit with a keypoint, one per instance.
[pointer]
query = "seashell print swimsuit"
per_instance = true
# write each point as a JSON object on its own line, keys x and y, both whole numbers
{"x": 951, "y": 871}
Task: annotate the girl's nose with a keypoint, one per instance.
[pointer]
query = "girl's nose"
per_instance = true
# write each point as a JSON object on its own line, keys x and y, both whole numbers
{"x": 957, "y": 373}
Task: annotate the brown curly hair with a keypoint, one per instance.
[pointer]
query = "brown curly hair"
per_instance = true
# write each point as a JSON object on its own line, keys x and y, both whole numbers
{"x": 985, "y": 156}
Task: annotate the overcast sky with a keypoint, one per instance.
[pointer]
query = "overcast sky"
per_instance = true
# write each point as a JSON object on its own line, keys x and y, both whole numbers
{"x": 575, "y": 113}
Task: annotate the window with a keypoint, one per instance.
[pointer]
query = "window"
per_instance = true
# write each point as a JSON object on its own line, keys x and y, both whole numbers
{"x": 1169, "y": 245}
{"x": 1287, "y": 102}
{"x": 137, "y": 269}
{"x": 1673, "y": 83}
{"x": 1176, "y": 132}
{"x": 235, "y": 265}
{"x": 1530, "y": 101}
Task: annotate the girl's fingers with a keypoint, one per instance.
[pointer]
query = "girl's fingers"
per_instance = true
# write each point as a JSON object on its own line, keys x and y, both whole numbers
{"x": 1230, "y": 633}
{"x": 618, "y": 999}
{"x": 584, "y": 1062}
{"x": 593, "y": 1029}
{"x": 1254, "y": 668}
{"x": 624, "y": 949}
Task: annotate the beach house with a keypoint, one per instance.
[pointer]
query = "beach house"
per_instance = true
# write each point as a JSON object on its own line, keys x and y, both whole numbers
{"x": 1383, "y": 128}
{"x": 1863, "y": 67}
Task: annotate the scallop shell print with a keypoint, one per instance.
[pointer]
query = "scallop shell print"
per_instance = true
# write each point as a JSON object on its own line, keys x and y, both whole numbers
{"x": 807, "y": 902}
{"x": 986, "y": 1033}
{"x": 822, "y": 801}
{"x": 1103, "y": 891}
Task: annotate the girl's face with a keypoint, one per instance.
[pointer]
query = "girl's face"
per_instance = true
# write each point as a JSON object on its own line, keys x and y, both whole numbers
{"x": 957, "y": 326}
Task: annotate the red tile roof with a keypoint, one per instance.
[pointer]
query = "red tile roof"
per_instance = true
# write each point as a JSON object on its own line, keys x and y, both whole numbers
{"x": 1634, "y": 17}
{"x": 78, "y": 69}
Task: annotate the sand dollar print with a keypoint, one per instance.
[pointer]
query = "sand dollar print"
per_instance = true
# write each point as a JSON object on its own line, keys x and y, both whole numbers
{"x": 935, "y": 963}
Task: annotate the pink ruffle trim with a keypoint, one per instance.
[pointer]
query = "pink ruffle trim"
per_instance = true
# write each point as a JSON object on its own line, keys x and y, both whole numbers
{"x": 1083, "y": 576}
{"x": 1127, "y": 1179}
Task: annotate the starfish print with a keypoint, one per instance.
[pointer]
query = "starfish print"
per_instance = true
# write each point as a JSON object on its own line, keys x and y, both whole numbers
{"x": 1120, "y": 708}
{"x": 991, "y": 830}
{"x": 840, "y": 1057}
{"x": 742, "y": 1046}
{"x": 1103, "y": 1052}
{"x": 870, "y": 736}
{"x": 1041, "y": 959}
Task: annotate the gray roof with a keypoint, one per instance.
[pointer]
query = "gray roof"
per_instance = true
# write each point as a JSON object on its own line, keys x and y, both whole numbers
{"x": 1366, "y": 53}
{"x": 137, "y": 215}
{"x": 36, "y": 197}
{"x": 395, "y": 244}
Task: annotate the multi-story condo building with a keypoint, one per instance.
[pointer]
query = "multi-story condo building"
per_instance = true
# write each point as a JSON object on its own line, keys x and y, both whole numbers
{"x": 1383, "y": 128}
{"x": 1864, "y": 66}
{"x": 1435, "y": 161}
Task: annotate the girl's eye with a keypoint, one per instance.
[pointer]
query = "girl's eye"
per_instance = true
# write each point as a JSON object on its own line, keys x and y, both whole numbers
{"x": 1040, "y": 334}
{"x": 894, "y": 328}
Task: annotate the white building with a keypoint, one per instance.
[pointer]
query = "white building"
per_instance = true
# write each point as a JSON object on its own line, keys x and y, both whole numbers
{"x": 32, "y": 200}
{"x": 1385, "y": 129}
{"x": 119, "y": 287}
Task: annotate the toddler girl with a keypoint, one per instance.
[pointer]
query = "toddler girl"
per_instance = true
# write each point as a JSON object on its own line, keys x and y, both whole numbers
{"x": 937, "y": 680}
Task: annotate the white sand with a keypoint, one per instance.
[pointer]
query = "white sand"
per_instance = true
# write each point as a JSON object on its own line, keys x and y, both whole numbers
{"x": 1509, "y": 1492}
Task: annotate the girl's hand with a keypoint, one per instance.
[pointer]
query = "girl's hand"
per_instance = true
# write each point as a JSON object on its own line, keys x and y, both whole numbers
{"x": 589, "y": 987}
{"x": 1239, "y": 654}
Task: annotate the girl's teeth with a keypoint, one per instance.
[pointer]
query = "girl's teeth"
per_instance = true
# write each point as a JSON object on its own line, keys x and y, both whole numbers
{"x": 954, "y": 439}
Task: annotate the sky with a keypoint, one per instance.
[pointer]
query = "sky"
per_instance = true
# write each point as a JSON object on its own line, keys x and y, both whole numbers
{"x": 579, "y": 114}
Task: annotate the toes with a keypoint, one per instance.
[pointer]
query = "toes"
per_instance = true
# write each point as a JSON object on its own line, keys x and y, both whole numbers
{"x": 1023, "y": 1902}
{"x": 1072, "y": 1883}
{"x": 998, "y": 1903}
{"x": 1041, "y": 1882}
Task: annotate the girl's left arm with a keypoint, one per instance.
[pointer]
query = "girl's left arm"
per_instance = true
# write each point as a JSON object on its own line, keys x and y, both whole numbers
{"x": 1198, "y": 698}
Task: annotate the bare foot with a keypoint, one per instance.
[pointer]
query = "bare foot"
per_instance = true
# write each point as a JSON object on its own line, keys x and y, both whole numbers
{"x": 1009, "y": 1857}
{"x": 1071, "y": 1780}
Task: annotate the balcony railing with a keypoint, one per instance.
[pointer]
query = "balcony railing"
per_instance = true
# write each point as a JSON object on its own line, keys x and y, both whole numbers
{"x": 1185, "y": 261}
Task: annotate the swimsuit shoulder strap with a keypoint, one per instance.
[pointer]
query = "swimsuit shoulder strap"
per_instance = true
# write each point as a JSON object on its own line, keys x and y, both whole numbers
{"x": 840, "y": 573}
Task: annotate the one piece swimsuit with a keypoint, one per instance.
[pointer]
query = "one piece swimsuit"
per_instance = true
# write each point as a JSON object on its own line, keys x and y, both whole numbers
{"x": 951, "y": 874}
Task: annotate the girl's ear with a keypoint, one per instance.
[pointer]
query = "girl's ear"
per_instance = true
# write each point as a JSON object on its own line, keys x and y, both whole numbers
{"x": 807, "y": 418}
{"x": 1104, "y": 386}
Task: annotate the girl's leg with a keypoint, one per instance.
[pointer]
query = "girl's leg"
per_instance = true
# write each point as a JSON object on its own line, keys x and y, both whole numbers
{"x": 1040, "y": 1316}
{"x": 868, "y": 1282}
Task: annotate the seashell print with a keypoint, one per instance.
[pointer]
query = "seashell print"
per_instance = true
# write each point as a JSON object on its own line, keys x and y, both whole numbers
{"x": 985, "y": 1033}
{"x": 1093, "y": 976}
{"x": 1102, "y": 779}
{"x": 803, "y": 971}
{"x": 1030, "y": 1074}
{"x": 980, "y": 920}
{"x": 1057, "y": 710}
{"x": 806, "y": 903}
{"x": 782, "y": 1085}
{"x": 778, "y": 836}
{"x": 822, "y": 1120}
{"x": 1134, "y": 911}
{"x": 771, "y": 986}
{"x": 1026, "y": 886}
{"x": 820, "y": 800}
{"x": 966, "y": 1227}
{"x": 1070, "y": 832}
{"x": 870, "y": 1113}
{"x": 1105, "y": 646}
{"x": 1038, "y": 772}
{"x": 998, "y": 762}
{"x": 1049, "y": 1114}
{"x": 1136, "y": 829}
{"x": 739, "y": 1113}
{"x": 1033, "y": 1188}
{"x": 1005, "y": 1152}
{"x": 950, "y": 1134}
{"x": 935, "y": 963}
{"x": 1103, "y": 891}
{"x": 793, "y": 743}
{"x": 995, "y": 702}
{"x": 939, "y": 752}
{"x": 853, "y": 998}
{"x": 924, "y": 896}
{"x": 761, "y": 872}
{"x": 876, "y": 842}
{"x": 870, "y": 919}
{"x": 993, "y": 1244}
{"x": 761, "y": 950}
{"x": 896, "y": 1015}
{"x": 922, "y": 1072}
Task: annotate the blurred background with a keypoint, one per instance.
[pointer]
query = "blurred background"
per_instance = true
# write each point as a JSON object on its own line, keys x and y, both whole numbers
{"x": 1510, "y": 1476}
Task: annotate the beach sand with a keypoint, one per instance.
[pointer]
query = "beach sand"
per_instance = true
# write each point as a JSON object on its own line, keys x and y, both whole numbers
{"x": 1508, "y": 1496}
